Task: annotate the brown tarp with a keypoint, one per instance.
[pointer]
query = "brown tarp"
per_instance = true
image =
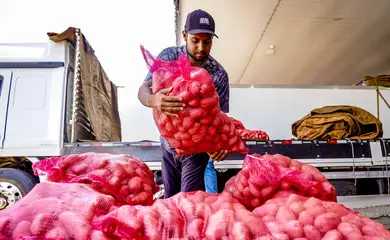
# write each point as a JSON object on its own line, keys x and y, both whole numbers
{"x": 337, "y": 122}
{"x": 381, "y": 81}
{"x": 99, "y": 93}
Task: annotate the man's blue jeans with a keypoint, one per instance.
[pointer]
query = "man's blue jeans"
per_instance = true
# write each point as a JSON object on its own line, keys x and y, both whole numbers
{"x": 210, "y": 178}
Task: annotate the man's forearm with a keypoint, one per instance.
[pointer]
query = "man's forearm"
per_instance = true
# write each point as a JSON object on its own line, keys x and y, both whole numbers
{"x": 145, "y": 95}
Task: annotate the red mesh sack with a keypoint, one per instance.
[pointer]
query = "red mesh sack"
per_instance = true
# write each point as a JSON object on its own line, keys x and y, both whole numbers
{"x": 201, "y": 126}
{"x": 297, "y": 217}
{"x": 262, "y": 176}
{"x": 194, "y": 215}
{"x": 54, "y": 211}
{"x": 238, "y": 124}
{"x": 125, "y": 177}
{"x": 247, "y": 134}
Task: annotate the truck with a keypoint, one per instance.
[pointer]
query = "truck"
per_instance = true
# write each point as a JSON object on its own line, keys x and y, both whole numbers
{"x": 49, "y": 85}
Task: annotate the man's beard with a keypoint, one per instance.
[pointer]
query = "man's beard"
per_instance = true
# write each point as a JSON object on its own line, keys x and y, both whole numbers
{"x": 196, "y": 59}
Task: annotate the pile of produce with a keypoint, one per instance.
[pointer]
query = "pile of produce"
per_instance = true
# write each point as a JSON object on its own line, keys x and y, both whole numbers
{"x": 297, "y": 217}
{"x": 200, "y": 215}
{"x": 195, "y": 215}
{"x": 124, "y": 177}
{"x": 262, "y": 176}
{"x": 201, "y": 126}
{"x": 288, "y": 200}
{"x": 55, "y": 211}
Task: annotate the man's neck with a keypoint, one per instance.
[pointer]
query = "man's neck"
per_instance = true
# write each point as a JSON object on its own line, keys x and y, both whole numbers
{"x": 195, "y": 63}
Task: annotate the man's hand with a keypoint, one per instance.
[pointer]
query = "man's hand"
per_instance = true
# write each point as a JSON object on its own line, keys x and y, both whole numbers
{"x": 166, "y": 104}
{"x": 218, "y": 156}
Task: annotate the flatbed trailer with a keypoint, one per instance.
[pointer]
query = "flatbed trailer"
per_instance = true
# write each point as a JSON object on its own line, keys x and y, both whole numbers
{"x": 336, "y": 159}
{"x": 321, "y": 154}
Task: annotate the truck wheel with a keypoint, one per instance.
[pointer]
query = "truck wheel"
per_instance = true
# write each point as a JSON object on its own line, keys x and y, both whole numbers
{"x": 14, "y": 184}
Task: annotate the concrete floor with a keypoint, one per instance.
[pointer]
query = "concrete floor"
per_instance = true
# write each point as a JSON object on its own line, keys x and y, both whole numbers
{"x": 376, "y": 207}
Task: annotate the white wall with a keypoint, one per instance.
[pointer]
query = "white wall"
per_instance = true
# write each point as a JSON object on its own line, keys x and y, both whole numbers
{"x": 276, "y": 109}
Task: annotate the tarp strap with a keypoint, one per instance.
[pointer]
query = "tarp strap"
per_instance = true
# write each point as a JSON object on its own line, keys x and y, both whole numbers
{"x": 379, "y": 94}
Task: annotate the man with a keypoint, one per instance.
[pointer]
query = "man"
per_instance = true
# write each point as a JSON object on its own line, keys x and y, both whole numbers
{"x": 186, "y": 173}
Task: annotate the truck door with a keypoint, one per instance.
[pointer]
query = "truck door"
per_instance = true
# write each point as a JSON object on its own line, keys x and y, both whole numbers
{"x": 5, "y": 85}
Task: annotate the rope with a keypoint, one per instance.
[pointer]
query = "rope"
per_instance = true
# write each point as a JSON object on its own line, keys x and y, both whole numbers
{"x": 353, "y": 160}
{"x": 379, "y": 94}
{"x": 377, "y": 99}
{"x": 386, "y": 166}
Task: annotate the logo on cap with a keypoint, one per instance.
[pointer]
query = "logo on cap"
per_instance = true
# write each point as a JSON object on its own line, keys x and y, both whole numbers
{"x": 204, "y": 21}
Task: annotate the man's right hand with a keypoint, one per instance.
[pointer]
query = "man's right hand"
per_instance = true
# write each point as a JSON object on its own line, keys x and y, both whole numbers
{"x": 168, "y": 105}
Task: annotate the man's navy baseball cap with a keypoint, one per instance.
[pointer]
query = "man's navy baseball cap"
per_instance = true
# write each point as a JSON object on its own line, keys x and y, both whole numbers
{"x": 200, "y": 21}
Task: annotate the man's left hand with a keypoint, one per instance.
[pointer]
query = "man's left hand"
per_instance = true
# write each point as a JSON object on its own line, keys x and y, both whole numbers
{"x": 218, "y": 156}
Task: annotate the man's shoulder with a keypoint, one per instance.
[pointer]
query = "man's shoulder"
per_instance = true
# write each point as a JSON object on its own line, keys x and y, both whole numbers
{"x": 216, "y": 67}
{"x": 173, "y": 49}
{"x": 171, "y": 53}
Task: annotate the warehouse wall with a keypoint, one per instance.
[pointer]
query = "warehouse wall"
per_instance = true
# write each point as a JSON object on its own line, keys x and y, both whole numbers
{"x": 275, "y": 109}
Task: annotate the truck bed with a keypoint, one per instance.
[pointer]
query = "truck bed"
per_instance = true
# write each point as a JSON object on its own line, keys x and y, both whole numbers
{"x": 341, "y": 159}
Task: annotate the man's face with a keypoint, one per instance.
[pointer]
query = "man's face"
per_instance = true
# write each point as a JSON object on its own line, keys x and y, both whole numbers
{"x": 198, "y": 45}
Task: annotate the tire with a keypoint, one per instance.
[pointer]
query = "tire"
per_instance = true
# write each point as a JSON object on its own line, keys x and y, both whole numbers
{"x": 22, "y": 180}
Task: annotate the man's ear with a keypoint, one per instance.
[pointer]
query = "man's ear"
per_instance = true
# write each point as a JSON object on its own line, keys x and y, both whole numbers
{"x": 184, "y": 33}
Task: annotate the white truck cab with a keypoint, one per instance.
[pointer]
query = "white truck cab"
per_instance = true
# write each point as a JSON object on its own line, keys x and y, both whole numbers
{"x": 33, "y": 83}
{"x": 41, "y": 108}
{"x": 32, "y": 98}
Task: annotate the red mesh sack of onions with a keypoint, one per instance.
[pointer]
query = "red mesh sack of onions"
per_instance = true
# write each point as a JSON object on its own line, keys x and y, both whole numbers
{"x": 247, "y": 134}
{"x": 291, "y": 216}
{"x": 201, "y": 126}
{"x": 262, "y": 176}
{"x": 237, "y": 123}
{"x": 194, "y": 215}
{"x": 125, "y": 177}
{"x": 55, "y": 211}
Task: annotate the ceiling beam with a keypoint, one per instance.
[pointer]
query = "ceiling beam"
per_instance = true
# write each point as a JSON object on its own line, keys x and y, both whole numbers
{"x": 258, "y": 42}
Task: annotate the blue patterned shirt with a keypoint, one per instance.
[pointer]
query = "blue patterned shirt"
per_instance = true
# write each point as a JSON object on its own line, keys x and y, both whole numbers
{"x": 216, "y": 71}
